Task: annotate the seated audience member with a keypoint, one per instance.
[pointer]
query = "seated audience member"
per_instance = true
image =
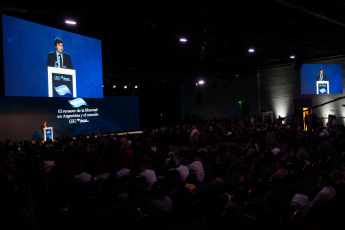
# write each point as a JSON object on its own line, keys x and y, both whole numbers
{"x": 325, "y": 195}
{"x": 230, "y": 156}
{"x": 64, "y": 216}
{"x": 232, "y": 218}
{"x": 271, "y": 213}
{"x": 124, "y": 213}
{"x": 182, "y": 199}
{"x": 160, "y": 209}
{"x": 182, "y": 168}
{"x": 191, "y": 182}
{"x": 275, "y": 151}
{"x": 197, "y": 168}
{"x": 302, "y": 158}
{"x": 100, "y": 176}
{"x": 281, "y": 173}
{"x": 123, "y": 171}
{"x": 148, "y": 174}
{"x": 339, "y": 184}
{"x": 296, "y": 201}
{"x": 214, "y": 197}
{"x": 171, "y": 156}
{"x": 320, "y": 207}
{"x": 171, "y": 176}
{"x": 82, "y": 176}
{"x": 252, "y": 144}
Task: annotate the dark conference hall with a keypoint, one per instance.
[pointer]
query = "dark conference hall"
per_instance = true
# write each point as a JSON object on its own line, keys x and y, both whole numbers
{"x": 169, "y": 115}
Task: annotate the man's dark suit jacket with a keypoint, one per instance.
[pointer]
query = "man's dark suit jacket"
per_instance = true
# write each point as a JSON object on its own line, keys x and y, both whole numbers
{"x": 65, "y": 57}
{"x": 318, "y": 78}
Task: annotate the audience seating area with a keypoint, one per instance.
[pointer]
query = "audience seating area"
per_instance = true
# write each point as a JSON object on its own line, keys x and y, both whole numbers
{"x": 237, "y": 176}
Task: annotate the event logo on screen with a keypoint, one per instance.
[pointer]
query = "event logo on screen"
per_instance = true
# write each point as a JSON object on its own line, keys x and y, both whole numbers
{"x": 62, "y": 90}
{"x": 76, "y": 103}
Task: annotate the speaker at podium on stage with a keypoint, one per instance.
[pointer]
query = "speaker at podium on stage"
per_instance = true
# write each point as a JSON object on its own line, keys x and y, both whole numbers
{"x": 61, "y": 74}
{"x": 47, "y": 131}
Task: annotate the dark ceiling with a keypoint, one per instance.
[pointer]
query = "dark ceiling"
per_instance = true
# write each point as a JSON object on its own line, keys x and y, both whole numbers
{"x": 140, "y": 38}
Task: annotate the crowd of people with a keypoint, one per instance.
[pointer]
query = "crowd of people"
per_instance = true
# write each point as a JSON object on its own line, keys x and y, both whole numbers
{"x": 236, "y": 173}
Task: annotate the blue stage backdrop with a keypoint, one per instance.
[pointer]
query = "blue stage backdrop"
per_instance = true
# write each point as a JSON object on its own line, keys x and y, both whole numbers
{"x": 21, "y": 117}
{"x": 25, "y": 48}
{"x": 332, "y": 71}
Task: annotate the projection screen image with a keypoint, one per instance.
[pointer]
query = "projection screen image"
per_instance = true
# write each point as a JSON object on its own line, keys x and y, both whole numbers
{"x": 41, "y": 61}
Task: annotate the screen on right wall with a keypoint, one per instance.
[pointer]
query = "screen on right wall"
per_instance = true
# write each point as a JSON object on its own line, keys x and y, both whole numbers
{"x": 321, "y": 79}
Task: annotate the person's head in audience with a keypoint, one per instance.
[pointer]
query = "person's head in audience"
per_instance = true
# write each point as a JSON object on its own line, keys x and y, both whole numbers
{"x": 209, "y": 148}
{"x": 123, "y": 198}
{"x": 271, "y": 199}
{"x": 143, "y": 166}
{"x": 325, "y": 180}
{"x": 172, "y": 156}
{"x": 337, "y": 175}
{"x": 162, "y": 191}
{"x": 172, "y": 164}
{"x": 183, "y": 161}
{"x": 218, "y": 182}
{"x": 231, "y": 210}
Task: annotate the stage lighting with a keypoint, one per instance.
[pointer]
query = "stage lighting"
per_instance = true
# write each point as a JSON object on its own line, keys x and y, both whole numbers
{"x": 281, "y": 118}
{"x": 251, "y": 50}
{"x": 125, "y": 86}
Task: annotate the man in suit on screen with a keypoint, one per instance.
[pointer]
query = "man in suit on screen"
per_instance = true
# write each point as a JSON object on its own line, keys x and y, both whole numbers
{"x": 57, "y": 58}
{"x": 321, "y": 76}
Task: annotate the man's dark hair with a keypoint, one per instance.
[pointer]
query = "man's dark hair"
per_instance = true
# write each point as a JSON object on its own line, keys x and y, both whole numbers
{"x": 172, "y": 164}
{"x": 326, "y": 178}
{"x": 57, "y": 41}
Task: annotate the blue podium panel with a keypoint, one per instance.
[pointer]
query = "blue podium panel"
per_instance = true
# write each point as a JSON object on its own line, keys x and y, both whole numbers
{"x": 48, "y": 133}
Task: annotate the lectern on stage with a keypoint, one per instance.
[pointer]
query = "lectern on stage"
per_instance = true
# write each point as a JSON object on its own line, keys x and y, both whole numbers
{"x": 48, "y": 133}
{"x": 322, "y": 87}
{"x": 61, "y": 82}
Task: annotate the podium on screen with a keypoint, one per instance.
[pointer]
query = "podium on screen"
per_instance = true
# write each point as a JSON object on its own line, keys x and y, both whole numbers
{"x": 61, "y": 82}
{"x": 322, "y": 87}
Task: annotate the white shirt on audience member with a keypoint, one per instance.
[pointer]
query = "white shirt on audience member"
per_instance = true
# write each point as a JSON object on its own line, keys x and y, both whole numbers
{"x": 150, "y": 177}
{"x": 197, "y": 168}
{"x": 184, "y": 171}
{"x": 122, "y": 172}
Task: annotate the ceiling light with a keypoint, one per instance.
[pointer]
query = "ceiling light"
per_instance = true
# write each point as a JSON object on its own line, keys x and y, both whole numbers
{"x": 114, "y": 86}
{"x": 135, "y": 87}
{"x": 292, "y": 57}
{"x": 251, "y": 50}
{"x": 125, "y": 86}
{"x": 201, "y": 82}
{"x": 183, "y": 40}
{"x": 70, "y": 22}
